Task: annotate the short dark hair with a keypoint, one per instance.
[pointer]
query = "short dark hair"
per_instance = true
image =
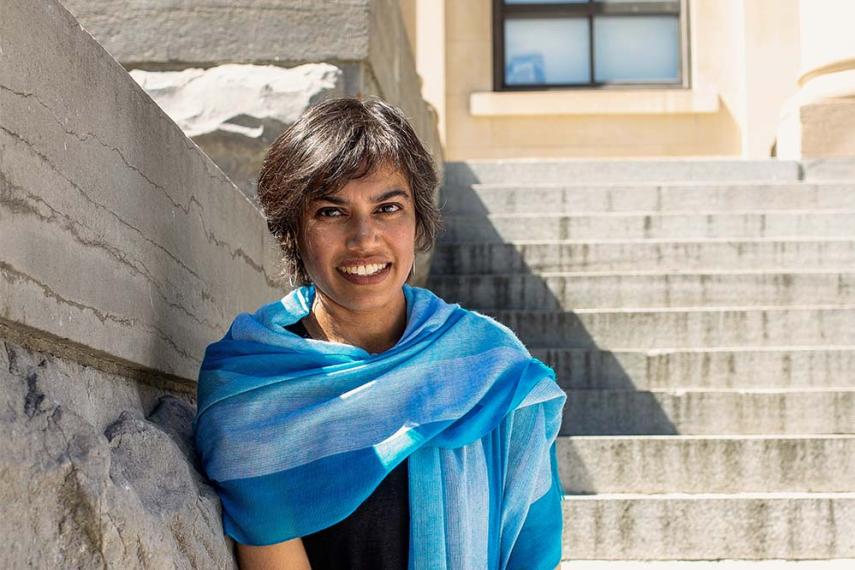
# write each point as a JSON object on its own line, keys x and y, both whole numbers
{"x": 330, "y": 144}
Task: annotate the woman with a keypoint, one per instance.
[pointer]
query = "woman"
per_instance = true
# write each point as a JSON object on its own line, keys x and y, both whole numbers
{"x": 361, "y": 422}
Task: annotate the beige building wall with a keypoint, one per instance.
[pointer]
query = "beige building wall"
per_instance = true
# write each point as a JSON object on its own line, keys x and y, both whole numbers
{"x": 744, "y": 58}
{"x": 819, "y": 120}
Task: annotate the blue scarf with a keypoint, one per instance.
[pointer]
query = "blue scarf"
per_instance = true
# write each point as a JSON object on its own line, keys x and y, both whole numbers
{"x": 296, "y": 433}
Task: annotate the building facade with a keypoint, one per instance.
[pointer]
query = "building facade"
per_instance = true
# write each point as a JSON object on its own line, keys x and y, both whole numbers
{"x": 615, "y": 78}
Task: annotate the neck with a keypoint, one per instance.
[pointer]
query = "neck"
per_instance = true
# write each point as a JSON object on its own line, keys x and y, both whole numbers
{"x": 374, "y": 331}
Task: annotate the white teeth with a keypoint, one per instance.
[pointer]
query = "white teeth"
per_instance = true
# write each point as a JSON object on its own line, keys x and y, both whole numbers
{"x": 364, "y": 269}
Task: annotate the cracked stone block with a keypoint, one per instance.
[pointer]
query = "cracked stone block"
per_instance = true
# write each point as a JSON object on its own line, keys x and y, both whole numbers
{"x": 77, "y": 494}
{"x": 234, "y": 111}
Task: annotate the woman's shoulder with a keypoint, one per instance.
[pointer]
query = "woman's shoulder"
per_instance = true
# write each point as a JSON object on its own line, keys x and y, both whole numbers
{"x": 487, "y": 329}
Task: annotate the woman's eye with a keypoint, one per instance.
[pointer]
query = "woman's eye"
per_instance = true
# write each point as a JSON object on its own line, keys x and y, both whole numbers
{"x": 394, "y": 208}
{"x": 328, "y": 212}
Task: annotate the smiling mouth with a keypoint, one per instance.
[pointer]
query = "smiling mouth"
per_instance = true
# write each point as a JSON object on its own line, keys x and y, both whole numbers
{"x": 364, "y": 270}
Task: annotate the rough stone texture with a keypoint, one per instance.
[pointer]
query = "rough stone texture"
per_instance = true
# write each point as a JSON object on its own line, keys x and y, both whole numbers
{"x": 118, "y": 233}
{"x": 218, "y": 31}
{"x": 97, "y": 471}
{"x": 234, "y": 112}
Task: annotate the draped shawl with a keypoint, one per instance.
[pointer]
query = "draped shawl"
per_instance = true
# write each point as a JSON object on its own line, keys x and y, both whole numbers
{"x": 295, "y": 433}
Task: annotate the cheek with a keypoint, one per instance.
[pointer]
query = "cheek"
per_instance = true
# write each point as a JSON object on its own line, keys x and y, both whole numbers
{"x": 407, "y": 230}
{"x": 314, "y": 249}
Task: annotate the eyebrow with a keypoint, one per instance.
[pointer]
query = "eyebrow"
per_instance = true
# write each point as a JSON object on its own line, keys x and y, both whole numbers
{"x": 379, "y": 198}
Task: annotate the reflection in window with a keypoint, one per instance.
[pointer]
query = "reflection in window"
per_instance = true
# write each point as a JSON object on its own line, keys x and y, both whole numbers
{"x": 579, "y": 43}
{"x": 545, "y": 1}
{"x": 637, "y": 49}
{"x": 544, "y": 51}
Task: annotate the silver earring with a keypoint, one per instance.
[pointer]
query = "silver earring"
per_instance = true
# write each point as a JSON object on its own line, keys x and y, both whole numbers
{"x": 413, "y": 269}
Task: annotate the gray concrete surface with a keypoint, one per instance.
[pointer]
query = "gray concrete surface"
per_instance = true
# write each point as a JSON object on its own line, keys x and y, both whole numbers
{"x": 699, "y": 315}
{"x": 706, "y": 464}
{"x": 366, "y": 39}
{"x": 751, "y": 526}
{"x": 696, "y": 327}
{"x": 709, "y": 411}
{"x": 649, "y": 197}
{"x": 674, "y": 255}
{"x": 461, "y": 174}
{"x": 748, "y": 367}
{"x": 623, "y": 226}
{"x": 839, "y": 564}
{"x": 118, "y": 233}
{"x": 565, "y": 291}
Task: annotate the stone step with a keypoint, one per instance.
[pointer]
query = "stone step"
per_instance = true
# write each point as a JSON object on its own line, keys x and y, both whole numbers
{"x": 649, "y": 225}
{"x": 773, "y": 367}
{"x": 710, "y": 526}
{"x": 709, "y": 412}
{"x": 461, "y": 174}
{"x": 836, "y": 564}
{"x": 574, "y": 198}
{"x": 655, "y": 255}
{"x": 561, "y": 291}
{"x": 707, "y": 464}
{"x": 683, "y": 327}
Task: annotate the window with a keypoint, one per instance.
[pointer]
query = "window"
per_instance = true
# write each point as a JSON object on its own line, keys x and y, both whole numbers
{"x": 546, "y": 44}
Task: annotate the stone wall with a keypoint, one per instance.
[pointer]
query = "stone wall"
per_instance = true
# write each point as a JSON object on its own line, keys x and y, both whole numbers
{"x": 366, "y": 39}
{"x": 234, "y": 112}
{"x": 125, "y": 251}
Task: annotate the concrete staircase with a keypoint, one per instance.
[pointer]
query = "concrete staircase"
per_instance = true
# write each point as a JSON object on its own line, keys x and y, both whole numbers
{"x": 700, "y": 315}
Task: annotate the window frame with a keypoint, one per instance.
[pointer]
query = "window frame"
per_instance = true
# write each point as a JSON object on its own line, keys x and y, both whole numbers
{"x": 589, "y": 9}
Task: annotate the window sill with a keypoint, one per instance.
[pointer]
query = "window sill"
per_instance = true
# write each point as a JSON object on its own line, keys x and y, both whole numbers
{"x": 592, "y": 102}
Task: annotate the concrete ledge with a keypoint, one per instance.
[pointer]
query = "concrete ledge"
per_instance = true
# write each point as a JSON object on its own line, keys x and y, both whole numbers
{"x": 748, "y": 368}
{"x": 683, "y": 327}
{"x": 214, "y": 32}
{"x": 829, "y": 169}
{"x": 658, "y": 255}
{"x": 710, "y": 527}
{"x": 592, "y": 102}
{"x": 623, "y": 226}
{"x": 589, "y": 290}
{"x": 709, "y": 412}
{"x": 778, "y": 564}
{"x": 118, "y": 233}
{"x": 593, "y": 197}
{"x": 462, "y": 174}
{"x": 706, "y": 464}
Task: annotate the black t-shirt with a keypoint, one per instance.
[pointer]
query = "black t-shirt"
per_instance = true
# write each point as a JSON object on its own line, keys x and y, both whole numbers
{"x": 376, "y": 535}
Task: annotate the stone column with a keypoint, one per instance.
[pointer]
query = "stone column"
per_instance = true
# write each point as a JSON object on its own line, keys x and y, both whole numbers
{"x": 819, "y": 121}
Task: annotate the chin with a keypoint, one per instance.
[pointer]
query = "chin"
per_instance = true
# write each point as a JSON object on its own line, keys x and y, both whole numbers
{"x": 364, "y": 297}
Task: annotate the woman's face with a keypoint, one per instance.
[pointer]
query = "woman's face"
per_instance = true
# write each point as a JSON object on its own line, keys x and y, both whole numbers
{"x": 359, "y": 243}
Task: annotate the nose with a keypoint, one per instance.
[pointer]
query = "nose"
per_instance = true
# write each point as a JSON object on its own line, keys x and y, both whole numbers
{"x": 363, "y": 231}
